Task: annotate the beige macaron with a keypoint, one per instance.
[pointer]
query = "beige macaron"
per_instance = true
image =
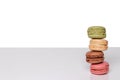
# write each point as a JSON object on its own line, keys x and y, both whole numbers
{"x": 98, "y": 44}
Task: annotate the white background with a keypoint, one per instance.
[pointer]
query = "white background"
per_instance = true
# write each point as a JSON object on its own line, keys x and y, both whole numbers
{"x": 56, "y": 23}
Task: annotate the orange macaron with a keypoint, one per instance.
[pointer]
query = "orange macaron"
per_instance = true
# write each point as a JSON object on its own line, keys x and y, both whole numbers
{"x": 98, "y": 44}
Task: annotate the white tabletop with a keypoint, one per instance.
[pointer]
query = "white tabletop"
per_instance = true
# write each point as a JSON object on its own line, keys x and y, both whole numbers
{"x": 53, "y": 64}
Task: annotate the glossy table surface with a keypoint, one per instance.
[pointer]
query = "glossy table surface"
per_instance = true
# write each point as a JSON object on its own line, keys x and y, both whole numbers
{"x": 53, "y": 64}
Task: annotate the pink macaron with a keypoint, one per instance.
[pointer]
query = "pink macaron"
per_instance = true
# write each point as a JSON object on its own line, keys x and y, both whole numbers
{"x": 99, "y": 69}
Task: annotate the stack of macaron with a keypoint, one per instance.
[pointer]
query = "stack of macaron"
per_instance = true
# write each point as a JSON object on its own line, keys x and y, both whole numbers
{"x": 97, "y": 45}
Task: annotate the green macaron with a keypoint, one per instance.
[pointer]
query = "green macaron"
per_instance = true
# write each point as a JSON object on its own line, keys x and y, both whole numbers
{"x": 96, "y": 32}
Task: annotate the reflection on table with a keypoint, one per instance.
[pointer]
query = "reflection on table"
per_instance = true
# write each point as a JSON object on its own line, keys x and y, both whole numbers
{"x": 99, "y": 77}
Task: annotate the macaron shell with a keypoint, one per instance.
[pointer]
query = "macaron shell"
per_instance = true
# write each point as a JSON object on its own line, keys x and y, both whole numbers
{"x": 97, "y": 36}
{"x": 98, "y": 47}
{"x": 98, "y": 44}
{"x": 101, "y": 68}
{"x": 95, "y": 60}
{"x": 100, "y": 72}
{"x": 99, "y": 41}
{"x": 94, "y": 56}
{"x": 97, "y": 32}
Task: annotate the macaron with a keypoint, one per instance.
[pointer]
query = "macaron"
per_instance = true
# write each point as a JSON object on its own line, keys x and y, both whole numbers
{"x": 98, "y": 44}
{"x": 94, "y": 56}
{"x": 99, "y": 69}
{"x": 97, "y": 32}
